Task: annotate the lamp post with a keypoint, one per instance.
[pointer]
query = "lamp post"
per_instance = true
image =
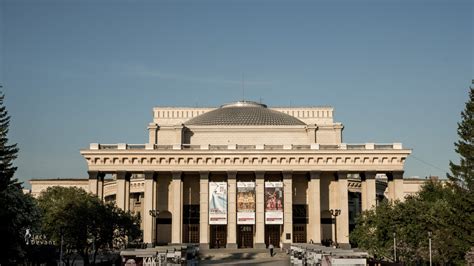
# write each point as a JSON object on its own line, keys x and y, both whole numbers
{"x": 394, "y": 247}
{"x": 429, "y": 243}
{"x": 154, "y": 214}
{"x": 335, "y": 213}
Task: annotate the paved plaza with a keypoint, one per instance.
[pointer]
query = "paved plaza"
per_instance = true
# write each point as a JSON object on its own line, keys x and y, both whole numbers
{"x": 243, "y": 257}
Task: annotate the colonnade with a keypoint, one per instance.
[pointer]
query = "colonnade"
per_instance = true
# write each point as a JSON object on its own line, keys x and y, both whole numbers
{"x": 368, "y": 191}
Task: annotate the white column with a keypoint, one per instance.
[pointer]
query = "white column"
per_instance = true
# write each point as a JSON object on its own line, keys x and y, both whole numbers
{"x": 127, "y": 194}
{"x": 363, "y": 192}
{"x": 123, "y": 187}
{"x": 343, "y": 205}
{"x": 395, "y": 186}
{"x": 231, "y": 210}
{"x": 149, "y": 222}
{"x": 204, "y": 210}
{"x": 100, "y": 186}
{"x": 177, "y": 217}
{"x": 260, "y": 210}
{"x": 314, "y": 207}
{"x": 93, "y": 181}
{"x": 369, "y": 190}
{"x": 287, "y": 208}
{"x": 399, "y": 191}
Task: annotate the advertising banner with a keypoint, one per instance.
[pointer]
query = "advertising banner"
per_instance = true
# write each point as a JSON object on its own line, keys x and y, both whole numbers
{"x": 245, "y": 202}
{"x": 217, "y": 202}
{"x": 273, "y": 202}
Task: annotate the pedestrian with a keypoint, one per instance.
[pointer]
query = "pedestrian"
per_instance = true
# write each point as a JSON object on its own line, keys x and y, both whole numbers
{"x": 271, "y": 249}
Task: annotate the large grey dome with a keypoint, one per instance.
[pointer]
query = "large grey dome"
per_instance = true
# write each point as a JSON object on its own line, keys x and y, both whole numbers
{"x": 244, "y": 113}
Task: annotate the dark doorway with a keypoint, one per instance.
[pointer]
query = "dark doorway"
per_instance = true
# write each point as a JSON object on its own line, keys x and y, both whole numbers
{"x": 245, "y": 236}
{"x": 218, "y": 236}
{"x": 299, "y": 233}
{"x": 272, "y": 235}
{"x": 191, "y": 224}
{"x": 191, "y": 233}
{"x": 300, "y": 221}
{"x": 163, "y": 228}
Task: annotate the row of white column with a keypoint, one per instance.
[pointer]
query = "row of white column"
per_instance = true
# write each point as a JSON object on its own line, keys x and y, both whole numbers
{"x": 368, "y": 189}
{"x": 150, "y": 203}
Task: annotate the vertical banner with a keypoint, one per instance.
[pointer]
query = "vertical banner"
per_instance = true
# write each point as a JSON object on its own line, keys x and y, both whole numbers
{"x": 245, "y": 202}
{"x": 273, "y": 202}
{"x": 217, "y": 202}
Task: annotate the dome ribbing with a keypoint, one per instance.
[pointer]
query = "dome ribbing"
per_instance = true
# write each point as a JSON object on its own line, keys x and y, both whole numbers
{"x": 244, "y": 113}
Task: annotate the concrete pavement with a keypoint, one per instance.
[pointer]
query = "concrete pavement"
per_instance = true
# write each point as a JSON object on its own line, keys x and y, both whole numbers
{"x": 243, "y": 257}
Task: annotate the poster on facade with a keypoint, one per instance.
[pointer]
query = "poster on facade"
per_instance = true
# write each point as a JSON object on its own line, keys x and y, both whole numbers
{"x": 217, "y": 202}
{"x": 245, "y": 202}
{"x": 273, "y": 202}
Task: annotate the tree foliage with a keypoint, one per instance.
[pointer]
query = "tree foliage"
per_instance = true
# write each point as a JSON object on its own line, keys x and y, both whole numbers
{"x": 374, "y": 231}
{"x": 444, "y": 209}
{"x": 8, "y": 152}
{"x": 462, "y": 174}
{"x": 462, "y": 179}
{"x": 410, "y": 221}
{"x": 17, "y": 210}
{"x": 86, "y": 224}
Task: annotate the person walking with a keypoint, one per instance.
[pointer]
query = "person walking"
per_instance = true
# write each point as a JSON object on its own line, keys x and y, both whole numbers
{"x": 271, "y": 249}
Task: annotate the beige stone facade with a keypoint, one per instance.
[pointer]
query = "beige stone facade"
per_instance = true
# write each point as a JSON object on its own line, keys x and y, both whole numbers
{"x": 192, "y": 151}
{"x": 40, "y": 185}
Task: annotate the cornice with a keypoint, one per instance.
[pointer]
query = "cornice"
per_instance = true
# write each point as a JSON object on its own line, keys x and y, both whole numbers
{"x": 243, "y": 152}
{"x": 139, "y": 158}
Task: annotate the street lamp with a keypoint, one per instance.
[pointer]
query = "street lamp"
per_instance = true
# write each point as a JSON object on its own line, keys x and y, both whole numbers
{"x": 154, "y": 214}
{"x": 335, "y": 213}
{"x": 429, "y": 242}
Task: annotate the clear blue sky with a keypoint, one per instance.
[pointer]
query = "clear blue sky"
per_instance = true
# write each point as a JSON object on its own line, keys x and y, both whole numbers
{"x": 76, "y": 72}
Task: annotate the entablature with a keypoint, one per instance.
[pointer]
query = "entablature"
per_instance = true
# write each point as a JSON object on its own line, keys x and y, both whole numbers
{"x": 347, "y": 157}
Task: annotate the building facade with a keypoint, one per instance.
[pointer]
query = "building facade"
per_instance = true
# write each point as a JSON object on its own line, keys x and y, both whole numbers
{"x": 244, "y": 175}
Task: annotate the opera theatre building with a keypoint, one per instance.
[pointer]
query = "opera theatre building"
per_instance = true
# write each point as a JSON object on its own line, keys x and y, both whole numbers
{"x": 243, "y": 175}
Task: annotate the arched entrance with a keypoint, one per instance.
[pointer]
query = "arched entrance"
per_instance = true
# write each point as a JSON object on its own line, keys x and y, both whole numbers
{"x": 163, "y": 228}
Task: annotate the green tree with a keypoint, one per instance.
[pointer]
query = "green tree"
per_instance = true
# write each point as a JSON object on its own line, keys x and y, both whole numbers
{"x": 462, "y": 174}
{"x": 18, "y": 211}
{"x": 374, "y": 231}
{"x": 8, "y": 153}
{"x": 445, "y": 209}
{"x": 87, "y": 224}
{"x": 428, "y": 211}
{"x": 462, "y": 182}
{"x": 410, "y": 220}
